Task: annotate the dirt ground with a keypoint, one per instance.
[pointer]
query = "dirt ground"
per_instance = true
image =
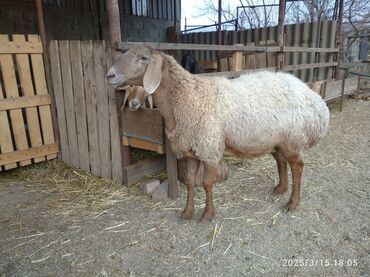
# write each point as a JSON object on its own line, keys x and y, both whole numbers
{"x": 58, "y": 222}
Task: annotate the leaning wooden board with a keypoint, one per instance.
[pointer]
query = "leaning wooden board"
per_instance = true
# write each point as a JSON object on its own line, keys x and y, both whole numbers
{"x": 25, "y": 118}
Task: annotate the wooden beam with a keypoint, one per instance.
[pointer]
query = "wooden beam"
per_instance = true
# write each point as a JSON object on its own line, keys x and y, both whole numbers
{"x": 233, "y": 74}
{"x": 281, "y": 20}
{"x": 115, "y": 36}
{"x": 114, "y": 23}
{"x": 310, "y": 49}
{"x": 142, "y": 144}
{"x": 214, "y": 47}
{"x": 311, "y": 65}
{"x": 30, "y": 153}
{"x": 24, "y": 102}
{"x": 26, "y": 47}
{"x": 189, "y": 46}
{"x": 46, "y": 59}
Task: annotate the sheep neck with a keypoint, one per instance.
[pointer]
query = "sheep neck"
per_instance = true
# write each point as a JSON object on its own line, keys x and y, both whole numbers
{"x": 172, "y": 77}
{"x": 163, "y": 103}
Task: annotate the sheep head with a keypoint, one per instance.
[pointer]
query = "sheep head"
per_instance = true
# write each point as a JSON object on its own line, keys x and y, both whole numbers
{"x": 141, "y": 66}
{"x": 136, "y": 97}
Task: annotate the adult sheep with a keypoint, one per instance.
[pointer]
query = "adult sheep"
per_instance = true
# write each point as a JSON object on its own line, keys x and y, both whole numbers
{"x": 206, "y": 118}
{"x": 136, "y": 96}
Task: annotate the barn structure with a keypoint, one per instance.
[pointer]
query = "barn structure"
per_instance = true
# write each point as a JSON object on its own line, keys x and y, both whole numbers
{"x": 54, "y": 100}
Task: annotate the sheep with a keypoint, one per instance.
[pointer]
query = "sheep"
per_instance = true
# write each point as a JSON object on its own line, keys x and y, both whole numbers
{"x": 190, "y": 63}
{"x": 137, "y": 96}
{"x": 206, "y": 118}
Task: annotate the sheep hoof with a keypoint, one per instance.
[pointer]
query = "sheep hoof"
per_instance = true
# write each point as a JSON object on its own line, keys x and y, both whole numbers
{"x": 187, "y": 214}
{"x": 208, "y": 217}
{"x": 291, "y": 205}
{"x": 280, "y": 189}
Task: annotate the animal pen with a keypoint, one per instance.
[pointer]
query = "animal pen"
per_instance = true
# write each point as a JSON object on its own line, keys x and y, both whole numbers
{"x": 92, "y": 129}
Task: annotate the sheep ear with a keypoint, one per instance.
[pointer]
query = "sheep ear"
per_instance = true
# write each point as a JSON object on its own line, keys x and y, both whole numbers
{"x": 127, "y": 93}
{"x": 153, "y": 75}
{"x": 150, "y": 100}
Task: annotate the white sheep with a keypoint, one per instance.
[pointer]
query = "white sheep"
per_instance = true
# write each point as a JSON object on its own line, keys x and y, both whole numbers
{"x": 136, "y": 96}
{"x": 205, "y": 118}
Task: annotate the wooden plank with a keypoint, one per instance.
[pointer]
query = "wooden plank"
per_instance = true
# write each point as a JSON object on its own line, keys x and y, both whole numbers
{"x": 6, "y": 144}
{"x": 56, "y": 76}
{"x": 333, "y": 90}
{"x": 172, "y": 174}
{"x": 65, "y": 65}
{"x": 79, "y": 101}
{"x": 11, "y": 90}
{"x": 91, "y": 111}
{"x": 351, "y": 85}
{"x": 304, "y": 66}
{"x": 147, "y": 125}
{"x": 190, "y": 46}
{"x": 41, "y": 89}
{"x": 115, "y": 138}
{"x": 143, "y": 144}
{"x": 25, "y": 102}
{"x": 310, "y": 49}
{"x": 250, "y": 59}
{"x": 27, "y": 154}
{"x": 234, "y": 74}
{"x": 237, "y": 61}
{"x": 214, "y": 47}
{"x": 20, "y": 47}
{"x": 103, "y": 109}
{"x": 137, "y": 171}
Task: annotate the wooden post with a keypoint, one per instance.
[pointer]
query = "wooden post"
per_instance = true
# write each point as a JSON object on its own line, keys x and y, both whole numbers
{"x": 339, "y": 37}
{"x": 172, "y": 174}
{"x": 281, "y": 33}
{"x": 342, "y": 94}
{"x": 237, "y": 59}
{"x": 358, "y": 87}
{"x": 219, "y": 34}
{"x": 49, "y": 85}
{"x": 114, "y": 37}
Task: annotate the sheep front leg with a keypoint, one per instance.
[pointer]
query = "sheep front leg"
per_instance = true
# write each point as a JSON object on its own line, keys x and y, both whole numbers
{"x": 192, "y": 166}
{"x": 296, "y": 163}
{"x": 282, "y": 165}
{"x": 210, "y": 176}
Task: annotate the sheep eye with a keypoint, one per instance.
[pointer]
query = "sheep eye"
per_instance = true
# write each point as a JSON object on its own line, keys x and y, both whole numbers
{"x": 144, "y": 58}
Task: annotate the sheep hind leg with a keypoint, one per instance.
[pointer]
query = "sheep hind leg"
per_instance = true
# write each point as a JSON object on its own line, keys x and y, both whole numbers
{"x": 210, "y": 176}
{"x": 192, "y": 166}
{"x": 282, "y": 166}
{"x": 296, "y": 164}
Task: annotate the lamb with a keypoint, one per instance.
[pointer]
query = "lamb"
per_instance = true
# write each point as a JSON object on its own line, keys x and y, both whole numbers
{"x": 136, "y": 97}
{"x": 205, "y": 118}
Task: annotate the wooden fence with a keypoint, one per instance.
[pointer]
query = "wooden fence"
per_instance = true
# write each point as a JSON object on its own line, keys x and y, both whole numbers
{"x": 26, "y": 130}
{"x": 245, "y": 54}
{"x": 307, "y": 35}
{"x": 86, "y": 107}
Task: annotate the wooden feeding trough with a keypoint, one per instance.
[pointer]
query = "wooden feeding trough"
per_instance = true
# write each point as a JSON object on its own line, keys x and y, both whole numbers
{"x": 144, "y": 129}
